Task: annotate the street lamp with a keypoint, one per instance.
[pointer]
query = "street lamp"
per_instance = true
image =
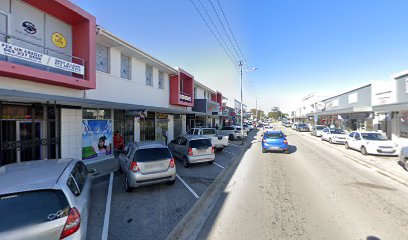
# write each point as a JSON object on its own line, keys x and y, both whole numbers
{"x": 242, "y": 108}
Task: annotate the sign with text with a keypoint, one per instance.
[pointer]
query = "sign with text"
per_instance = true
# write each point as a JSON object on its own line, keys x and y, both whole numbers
{"x": 185, "y": 98}
{"x": 39, "y": 58}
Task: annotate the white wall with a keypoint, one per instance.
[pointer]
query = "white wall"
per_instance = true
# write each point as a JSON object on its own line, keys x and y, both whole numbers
{"x": 111, "y": 87}
{"x": 170, "y": 128}
{"x": 71, "y": 132}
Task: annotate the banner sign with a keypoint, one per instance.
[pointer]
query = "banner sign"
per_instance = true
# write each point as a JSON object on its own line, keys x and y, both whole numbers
{"x": 39, "y": 58}
{"x": 96, "y": 138}
{"x": 185, "y": 98}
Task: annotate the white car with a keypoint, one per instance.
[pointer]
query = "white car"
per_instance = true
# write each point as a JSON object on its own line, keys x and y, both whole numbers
{"x": 218, "y": 141}
{"x": 334, "y": 135}
{"x": 232, "y": 132}
{"x": 267, "y": 127}
{"x": 371, "y": 143}
{"x": 294, "y": 126}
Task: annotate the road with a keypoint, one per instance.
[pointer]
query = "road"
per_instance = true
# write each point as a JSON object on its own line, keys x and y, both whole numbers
{"x": 312, "y": 193}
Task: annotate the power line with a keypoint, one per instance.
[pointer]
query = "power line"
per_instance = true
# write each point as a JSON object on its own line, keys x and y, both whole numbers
{"x": 219, "y": 42}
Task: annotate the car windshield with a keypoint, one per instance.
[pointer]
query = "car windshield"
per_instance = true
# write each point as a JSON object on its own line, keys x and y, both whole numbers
{"x": 200, "y": 143}
{"x": 30, "y": 208}
{"x": 209, "y": 131}
{"x": 274, "y": 135}
{"x": 152, "y": 154}
{"x": 337, "y": 131}
{"x": 301, "y": 125}
{"x": 320, "y": 127}
{"x": 373, "y": 136}
{"x": 227, "y": 128}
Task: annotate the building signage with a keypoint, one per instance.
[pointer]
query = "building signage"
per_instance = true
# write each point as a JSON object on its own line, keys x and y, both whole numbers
{"x": 333, "y": 103}
{"x": 185, "y": 98}
{"x": 36, "y": 57}
{"x": 353, "y": 98}
{"x": 59, "y": 40}
{"x": 320, "y": 106}
{"x": 29, "y": 27}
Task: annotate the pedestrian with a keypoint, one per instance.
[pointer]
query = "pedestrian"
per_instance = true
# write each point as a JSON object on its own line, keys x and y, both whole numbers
{"x": 118, "y": 143}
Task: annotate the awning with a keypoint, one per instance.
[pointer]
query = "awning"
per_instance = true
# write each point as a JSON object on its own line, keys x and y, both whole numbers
{"x": 391, "y": 107}
{"x": 22, "y": 96}
{"x": 343, "y": 111}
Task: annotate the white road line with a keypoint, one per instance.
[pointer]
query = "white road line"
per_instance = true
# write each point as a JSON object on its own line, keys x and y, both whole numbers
{"x": 188, "y": 187}
{"x": 107, "y": 209}
{"x": 218, "y": 165}
{"x": 229, "y": 152}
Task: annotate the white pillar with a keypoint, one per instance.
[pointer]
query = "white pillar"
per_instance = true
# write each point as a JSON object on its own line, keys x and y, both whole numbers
{"x": 183, "y": 124}
{"x": 170, "y": 128}
{"x": 137, "y": 129}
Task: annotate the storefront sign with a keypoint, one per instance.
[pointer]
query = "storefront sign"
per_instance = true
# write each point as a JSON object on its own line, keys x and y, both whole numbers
{"x": 59, "y": 40}
{"x": 39, "y": 58}
{"x": 185, "y": 98}
{"x": 320, "y": 106}
{"x": 96, "y": 138}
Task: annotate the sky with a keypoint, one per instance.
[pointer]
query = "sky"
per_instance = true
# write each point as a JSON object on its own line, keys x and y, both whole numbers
{"x": 299, "y": 47}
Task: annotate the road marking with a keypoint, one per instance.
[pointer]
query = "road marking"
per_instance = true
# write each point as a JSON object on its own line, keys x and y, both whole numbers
{"x": 218, "y": 165}
{"x": 229, "y": 152}
{"x": 107, "y": 209}
{"x": 188, "y": 187}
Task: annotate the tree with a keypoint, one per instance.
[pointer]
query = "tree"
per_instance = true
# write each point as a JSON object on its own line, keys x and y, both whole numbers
{"x": 277, "y": 114}
{"x": 260, "y": 113}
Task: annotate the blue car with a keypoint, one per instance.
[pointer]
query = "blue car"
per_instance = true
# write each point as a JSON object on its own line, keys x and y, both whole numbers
{"x": 274, "y": 141}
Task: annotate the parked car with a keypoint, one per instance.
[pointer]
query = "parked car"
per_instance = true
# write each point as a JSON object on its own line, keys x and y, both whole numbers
{"x": 147, "y": 163}
{"x": 246, "y": 128}
{"x": 371, "y": 143}
{"x": 45, "y": 199}
{"x": 260, "y": 125}
{"x": 404, "y": 157}
{"x": 334, "y": 135}
{"x": 302, "y": 127}
{"x": 192, "y": 149}
{"x": 274, "y": 141}
{"x": 233, "y": 132}
{"x": 267, "y": 127}
{"x": 288, "y": 124}
{"x": 250, "y": 127}
{"x": 294, "y": 126}
{"x": 218, "y": 141}
{"x": 317, "y": 130}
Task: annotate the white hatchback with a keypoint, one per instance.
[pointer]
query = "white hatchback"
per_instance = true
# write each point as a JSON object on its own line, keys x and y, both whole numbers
{"x": 371, "y": 143}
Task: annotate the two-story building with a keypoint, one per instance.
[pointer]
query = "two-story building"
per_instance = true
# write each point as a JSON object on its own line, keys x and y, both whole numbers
{"x": 208, "y": 103}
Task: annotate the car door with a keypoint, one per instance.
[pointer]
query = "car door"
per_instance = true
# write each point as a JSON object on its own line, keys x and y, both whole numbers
{"x": 183, "y": 147}
{"x": 358, "y": 141}
{"x": 350, "y": 140}
{"x": 173, "y": 146}
{"x": 122, "y": 155}
{"x": 325, "y": 132}
{"x": 83, "y": 182}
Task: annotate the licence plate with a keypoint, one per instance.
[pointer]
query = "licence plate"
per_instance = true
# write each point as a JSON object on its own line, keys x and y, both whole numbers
{"x": 274, "y": 148}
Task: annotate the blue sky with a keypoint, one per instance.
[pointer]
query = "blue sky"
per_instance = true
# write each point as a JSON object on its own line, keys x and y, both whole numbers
{"x": 299, "y": 46}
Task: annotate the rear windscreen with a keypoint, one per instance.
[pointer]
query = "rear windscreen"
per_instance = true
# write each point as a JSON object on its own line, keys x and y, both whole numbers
{"x": 227, "y": 128}
{"x": 200, "y": 143}
{"x": 302, "y": 125}
{"x": 209, "y": 131}
{"x": 30, "y": 208}
{"x": 273, "y": 135}
{"x": 320, "y": 127}
{"x": 152, "y": 154}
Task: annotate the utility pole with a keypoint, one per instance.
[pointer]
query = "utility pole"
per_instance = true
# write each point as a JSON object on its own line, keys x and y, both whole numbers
{"x": 256, "y": 112}
{"x": 242, "y": 109}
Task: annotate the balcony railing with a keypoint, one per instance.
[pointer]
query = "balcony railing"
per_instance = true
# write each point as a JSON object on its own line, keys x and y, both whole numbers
{"x": 40, "y": 57}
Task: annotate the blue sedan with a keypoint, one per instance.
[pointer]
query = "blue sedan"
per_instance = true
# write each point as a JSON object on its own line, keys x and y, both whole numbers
{"x": 274, "y": 141}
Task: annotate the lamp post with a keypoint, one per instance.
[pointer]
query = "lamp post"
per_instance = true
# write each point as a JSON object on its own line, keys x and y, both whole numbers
{"x": 242, "y": 105}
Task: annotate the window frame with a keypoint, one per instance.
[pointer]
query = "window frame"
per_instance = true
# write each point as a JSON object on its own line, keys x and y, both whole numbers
{"x": 161, "y": 81}
{"x": 107, "y": 57}
{"x": 148, "y": 67}
{"x": 129, "y": 77}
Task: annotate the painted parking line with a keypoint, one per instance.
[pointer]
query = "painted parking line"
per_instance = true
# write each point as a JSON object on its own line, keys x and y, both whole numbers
{"x": 107, "y": 209}
{"x": 218, "y": 165}
{"x": 188, "y": 187}
{"x": 229, "y": 152}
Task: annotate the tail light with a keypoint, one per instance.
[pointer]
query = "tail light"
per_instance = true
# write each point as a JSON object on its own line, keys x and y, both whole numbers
{"x": 212, "y": 149}
{"x": 285, "y": 141}
{"x": 134, "y": 167}
{"x": 172, "y": 163}
{"x": 72, "y": 224}
{"x": 190, "y": 152}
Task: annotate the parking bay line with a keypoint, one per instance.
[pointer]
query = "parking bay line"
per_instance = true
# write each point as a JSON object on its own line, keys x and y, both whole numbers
{"x": 188, "y": 187}
{"x": 218, "y": 165}
{"x": 107, "y": 209}
{"x": 229, "y": 152}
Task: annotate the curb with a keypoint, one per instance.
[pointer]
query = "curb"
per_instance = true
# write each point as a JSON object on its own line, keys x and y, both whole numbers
{"x": 193, "y": 221}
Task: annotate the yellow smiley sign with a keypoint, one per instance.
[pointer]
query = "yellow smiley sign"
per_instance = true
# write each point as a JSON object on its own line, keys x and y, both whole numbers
{"x": 59, "y": 40}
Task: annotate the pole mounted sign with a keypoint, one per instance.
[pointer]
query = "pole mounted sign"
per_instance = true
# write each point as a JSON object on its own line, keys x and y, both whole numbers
{"x": 39, "y": 58}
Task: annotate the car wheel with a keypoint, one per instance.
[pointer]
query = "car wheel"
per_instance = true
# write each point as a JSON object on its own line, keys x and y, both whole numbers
{"x": 210, "y": 162}
{"x": 231, "y": 137}
{"x": 171, "y": 182}
{"x": 346, "y": 145}
{"x": 330, "y": 141}
{"x": 127, "y": 187}
{"x": 186, "y": 164}
{"x": 322, "y": 138}
{"x": 287, "y": 152}
{"x": 363, "y": 150}
{"x": 263, "y": 150}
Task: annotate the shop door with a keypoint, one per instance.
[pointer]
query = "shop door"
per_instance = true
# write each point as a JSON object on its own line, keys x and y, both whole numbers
{"x": 29, "y": 135}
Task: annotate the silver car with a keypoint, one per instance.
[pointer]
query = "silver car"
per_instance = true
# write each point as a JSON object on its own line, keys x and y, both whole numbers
{"x": 192, "y": 149}
{"x": 404, "y": 157}
{"x": 146, "y": 163}
{"x": 44, "y": 199}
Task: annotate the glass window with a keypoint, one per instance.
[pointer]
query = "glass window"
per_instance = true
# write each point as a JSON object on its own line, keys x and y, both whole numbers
{"x": 351, "y": 134}
{"x": 274, "y": 135}
{"x": 373, "y": 136}
{"x": 357, "y": 136}
{"x": 227, "y": 128}
{"x": 196, "y": 131}
{"x": 404, "y": 124}
{"x": 200, "y": 143}
{"x": 161, "y": 80}
{"x": 152, "y": 154}
{"x": 124, "y": 67}
{"x": 80, "y": 174}
{"x": 209, "y": 131}
{"x": 89, "y": 113}
{"x": 319, "y": 127}
{"x": 129, "y": 152}
{"x": 191, "y": 131}
{"x": 73, "y": 186}
{"x": 30, "y": 208}
{"x": 195, "y": 93}
{"x": 102, "y": 58}
{"x": 177, "y": 140}
{"x": 337, "y": 131}
{"x": 183, "y": 141}
{"x": 149, "y": 75}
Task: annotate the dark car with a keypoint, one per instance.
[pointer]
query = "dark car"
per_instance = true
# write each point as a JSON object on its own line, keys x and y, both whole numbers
{"x": 302, "y": 127}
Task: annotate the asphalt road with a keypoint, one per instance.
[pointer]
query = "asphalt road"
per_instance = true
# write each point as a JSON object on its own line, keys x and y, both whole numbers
{"x": 151, "y": 212}
{"x": 312, "y": 193}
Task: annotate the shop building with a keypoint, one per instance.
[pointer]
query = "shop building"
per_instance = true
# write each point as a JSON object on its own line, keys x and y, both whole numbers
{"x": 208, "y": 103}
{"x": 350, "y": 110}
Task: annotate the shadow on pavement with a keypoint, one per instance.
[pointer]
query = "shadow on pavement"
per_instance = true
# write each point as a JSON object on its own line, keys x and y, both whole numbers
{"x": 402, "y": 165}
{"x": 373, "y": 238}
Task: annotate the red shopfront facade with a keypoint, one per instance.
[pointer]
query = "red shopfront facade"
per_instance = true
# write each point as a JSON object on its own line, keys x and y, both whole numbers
{"x": 182, "y": 89}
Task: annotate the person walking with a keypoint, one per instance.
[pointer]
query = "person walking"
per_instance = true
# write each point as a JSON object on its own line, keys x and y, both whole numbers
{"x": 118, "y": 143}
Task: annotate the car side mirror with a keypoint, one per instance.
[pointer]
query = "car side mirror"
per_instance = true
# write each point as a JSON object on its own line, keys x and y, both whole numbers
{"x": 92, "y": 171}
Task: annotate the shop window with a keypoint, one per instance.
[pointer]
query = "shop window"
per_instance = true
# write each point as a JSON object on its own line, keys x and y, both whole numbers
{"x": 149, "y": 75}
{"x": 195, "y": 93}
{"x": 102, "y": 58}
{"x": 124, "y": 67}
{"x": 88, "y": 113}
{"x": 161, "y": 80}
{"x": 404, "y": 124}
